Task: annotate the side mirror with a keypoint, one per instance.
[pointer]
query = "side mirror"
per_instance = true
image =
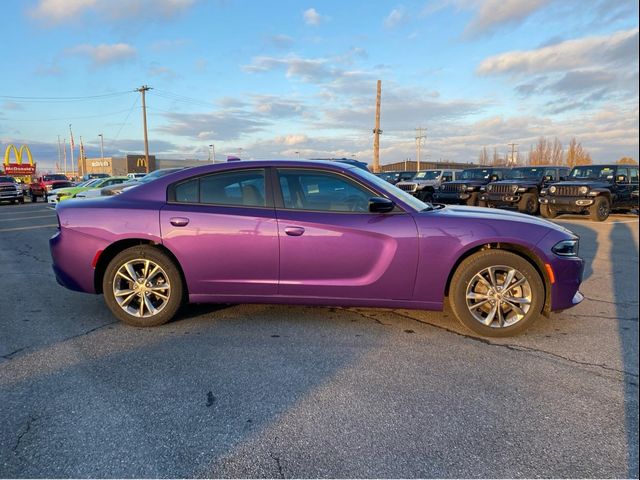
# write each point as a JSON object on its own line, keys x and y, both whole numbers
{"x": 621, "y": 179}
{"x": 380, "y": 205}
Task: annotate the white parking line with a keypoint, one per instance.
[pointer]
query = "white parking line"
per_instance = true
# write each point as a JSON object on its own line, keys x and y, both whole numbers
{"x": 27, "y": 228}
{"x": 26, "y": 218}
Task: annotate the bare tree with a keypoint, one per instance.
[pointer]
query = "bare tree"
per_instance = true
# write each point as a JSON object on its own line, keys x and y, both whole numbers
{"x": 577, "y": 155}
{"x": 483, "y": 158}
{"x": 496, "y": 158}
{"x": 557, "y": 153}
{"x": 627, "y": 161}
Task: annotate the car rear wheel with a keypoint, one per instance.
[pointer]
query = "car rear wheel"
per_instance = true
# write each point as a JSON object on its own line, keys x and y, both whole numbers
{"x": 528, "y": 204}
{"x": 600, "y": 209}
{"x": 496, "y": 293}
{"x": 547, "y": 211}
{"x": 143, "y": 287}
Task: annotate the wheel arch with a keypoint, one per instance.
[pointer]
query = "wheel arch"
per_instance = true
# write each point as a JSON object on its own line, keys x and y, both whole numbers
{"x": 519, "y": 250}
{"x": 115, "y": 248}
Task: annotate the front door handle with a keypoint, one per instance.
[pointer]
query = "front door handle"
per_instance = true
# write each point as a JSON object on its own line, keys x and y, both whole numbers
{"x": 179, "y": 221}
{"x": 294, "y": 231}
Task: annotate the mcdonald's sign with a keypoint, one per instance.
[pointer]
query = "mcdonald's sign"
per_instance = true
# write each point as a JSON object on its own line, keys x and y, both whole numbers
{"x": 18, "y": 168}
{"x": 137, "y": 163}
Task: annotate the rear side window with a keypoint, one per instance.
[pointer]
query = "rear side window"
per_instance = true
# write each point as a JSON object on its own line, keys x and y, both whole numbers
{"x": 633, "y": 173}
{"x": 244, "y": 188}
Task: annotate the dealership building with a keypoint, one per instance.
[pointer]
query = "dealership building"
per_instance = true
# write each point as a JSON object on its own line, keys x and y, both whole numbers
{"x": 133, "y": 164}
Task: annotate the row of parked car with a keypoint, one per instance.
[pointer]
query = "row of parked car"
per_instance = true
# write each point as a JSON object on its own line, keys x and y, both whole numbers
{"x": 551, "y": 190}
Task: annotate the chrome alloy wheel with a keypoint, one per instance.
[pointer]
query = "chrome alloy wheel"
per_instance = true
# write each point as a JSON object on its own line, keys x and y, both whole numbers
{"x": 498, "y": 296}
{"x": 141, "y": 288}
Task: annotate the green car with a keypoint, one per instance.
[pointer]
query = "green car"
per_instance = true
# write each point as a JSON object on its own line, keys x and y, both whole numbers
{"x": 61, "y": 194}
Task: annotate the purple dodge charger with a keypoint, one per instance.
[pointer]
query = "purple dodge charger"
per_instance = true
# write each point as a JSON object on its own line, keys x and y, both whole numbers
{"x": 311, "y": 233}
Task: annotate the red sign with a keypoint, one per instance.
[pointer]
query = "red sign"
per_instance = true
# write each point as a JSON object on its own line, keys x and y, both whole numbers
{"x": 19, "y": 169}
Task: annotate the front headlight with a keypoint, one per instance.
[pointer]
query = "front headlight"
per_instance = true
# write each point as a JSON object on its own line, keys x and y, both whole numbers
{"x": 552, "y": 189}
{"x": 463, "y": 187}
{"x": 566, "y": 248}
{"x": 583, "y": 190}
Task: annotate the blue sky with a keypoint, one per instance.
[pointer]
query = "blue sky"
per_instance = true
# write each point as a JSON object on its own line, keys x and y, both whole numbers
{"x": 280, "y": 79}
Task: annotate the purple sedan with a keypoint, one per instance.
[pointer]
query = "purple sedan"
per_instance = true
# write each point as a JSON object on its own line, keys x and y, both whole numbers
{"x": 310, "y": 233}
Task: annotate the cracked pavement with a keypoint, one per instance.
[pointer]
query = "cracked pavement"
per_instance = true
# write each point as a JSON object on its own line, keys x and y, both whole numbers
{"x": 290, "y": 392}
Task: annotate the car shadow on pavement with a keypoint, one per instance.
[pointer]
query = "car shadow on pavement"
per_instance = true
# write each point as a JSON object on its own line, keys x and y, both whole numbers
{"x": 588, "y": 245}
{"x": 624, "y": 265}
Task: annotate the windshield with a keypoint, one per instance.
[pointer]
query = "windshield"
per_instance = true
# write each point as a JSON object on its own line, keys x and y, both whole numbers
{"x": 590, "y": 172}
{"x": 7, "y": 180}
{"x": 525, "y": 172}
{"x": 428, "y": 175}
{"x": 157, "y": 174}
{"x": 48, "y": 178}
{"x": 475, "y": 173}
{"x": 386, "y": 187}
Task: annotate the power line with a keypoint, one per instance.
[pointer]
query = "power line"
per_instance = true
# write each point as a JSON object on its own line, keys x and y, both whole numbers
{"x": 62, "y": 99}
{"x": 63, "y": 118}
{"x": 135, "y": 102}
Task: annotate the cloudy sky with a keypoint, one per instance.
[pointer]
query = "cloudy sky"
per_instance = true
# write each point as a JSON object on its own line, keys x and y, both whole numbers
{"x": 279, "y": 79}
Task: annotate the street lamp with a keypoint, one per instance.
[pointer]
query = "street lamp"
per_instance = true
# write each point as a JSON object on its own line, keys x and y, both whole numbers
{"x": 212, "y": 152}
{"x": 297, "y": 154}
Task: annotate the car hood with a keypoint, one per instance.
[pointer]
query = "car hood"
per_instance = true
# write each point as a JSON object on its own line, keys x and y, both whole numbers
{"x": 64, "y": 190}
{"x": 467, "y": 182}
{"x": 515, "y": 181}
{"x": 492, "y": 214}
{"x": 582, "y": 183}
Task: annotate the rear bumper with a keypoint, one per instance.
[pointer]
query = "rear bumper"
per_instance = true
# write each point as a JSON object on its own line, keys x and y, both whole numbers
{"x": 72, "y": 255}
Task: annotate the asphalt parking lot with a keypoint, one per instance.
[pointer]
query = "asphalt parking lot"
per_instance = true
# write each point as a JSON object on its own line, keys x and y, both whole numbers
{"x": 280, "y": 392}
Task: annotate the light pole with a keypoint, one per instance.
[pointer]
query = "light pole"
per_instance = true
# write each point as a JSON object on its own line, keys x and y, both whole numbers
{"x": 297, "y": 154}
{"x": 212, "y": 153}
{"x": 101, "y": 147}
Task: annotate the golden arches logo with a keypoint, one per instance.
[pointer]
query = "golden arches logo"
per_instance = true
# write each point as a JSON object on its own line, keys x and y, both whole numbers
{"x": 18, "y": 154}
{"x": 141, "y": 162}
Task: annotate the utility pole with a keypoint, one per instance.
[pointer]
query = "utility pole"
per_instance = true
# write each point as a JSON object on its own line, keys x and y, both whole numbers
{"x": 377, "y": 132}
{"x": 101, "y": 147}
{"x": 59, "y": 156}
{"x": 420, "y": 136}
{"x": 142, "y": 90}
{"x": 513, "y": 150}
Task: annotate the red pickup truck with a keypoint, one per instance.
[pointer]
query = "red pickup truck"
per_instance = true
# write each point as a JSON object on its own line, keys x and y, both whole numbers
{"x": 44, "y": 184}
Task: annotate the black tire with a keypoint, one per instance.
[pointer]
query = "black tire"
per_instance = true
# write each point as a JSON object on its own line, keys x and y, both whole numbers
{"x": 600, "y": 209}
{"x": 475, "y": 264}
{"x": 34, "y": 198}
{"x": 174, "y": 280}
{"x": 547, "y": 211}
{"x": 425, "y": 196}
{"x": 21, "y": 200}
{"x": 473, "y": 200}
{"x": 528, "y": 203}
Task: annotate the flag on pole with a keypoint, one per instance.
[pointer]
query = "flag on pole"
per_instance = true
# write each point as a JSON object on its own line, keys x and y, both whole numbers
{"x": 73, "y": 146}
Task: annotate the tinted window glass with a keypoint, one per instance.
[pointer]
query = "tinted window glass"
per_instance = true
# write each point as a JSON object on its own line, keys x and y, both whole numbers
{"x": 242, "y": 188}
{"x": 323, "y": 191}
{"x": 633, "y": 172}
{"x": 188, "y": 192}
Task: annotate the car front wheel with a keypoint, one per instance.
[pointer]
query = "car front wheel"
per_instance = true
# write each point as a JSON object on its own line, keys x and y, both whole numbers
{"x": 143, "y": 287}
{"x": 600, "y": 209}
{"x": 496, "y": 293}
{"x": 547, "y": 211}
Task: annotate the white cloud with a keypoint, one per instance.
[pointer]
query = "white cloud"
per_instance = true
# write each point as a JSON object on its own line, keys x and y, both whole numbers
{"x": 61, "y": 11}
{"x": 620, "y": 48}
{"x": 312, "y": 17}
{"x": 296, "y": 139}
{"x": 494, "y": 14}
{"x": 395, "y": 18}
{"x": 105, "y": 54}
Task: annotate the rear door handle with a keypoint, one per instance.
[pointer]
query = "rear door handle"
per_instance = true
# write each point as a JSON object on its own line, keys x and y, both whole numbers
{"x": 294, "y": 231}
{"x": 179, "y": 221}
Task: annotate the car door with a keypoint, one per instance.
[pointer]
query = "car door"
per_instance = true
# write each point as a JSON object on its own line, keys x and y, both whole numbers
{"x": 622, "y": 189}
{"x": 331, "y": 246}
{"x": 633, "y": 178}
{"x": 222, "y": 229}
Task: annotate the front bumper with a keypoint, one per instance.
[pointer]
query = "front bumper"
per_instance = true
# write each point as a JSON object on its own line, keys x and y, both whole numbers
{"x": 451, "y": 198}
{"x": 567, "y": 203}
{"x": 10, "y": 196}
{"x": 565, "y": 292}
{"x": 500, "y": 198}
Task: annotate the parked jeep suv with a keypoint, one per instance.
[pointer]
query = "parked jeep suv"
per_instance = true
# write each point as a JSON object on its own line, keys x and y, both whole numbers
{"x": 426, "y": 182}
{"x": 466, "y": 189}
{"x": 597, "y": 189}
{"x": 521, "y": 188}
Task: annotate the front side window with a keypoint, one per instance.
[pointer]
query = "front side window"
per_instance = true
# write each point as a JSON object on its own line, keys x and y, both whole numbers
{"x": 322, "y": 191}
{"x": 244, "y": 188}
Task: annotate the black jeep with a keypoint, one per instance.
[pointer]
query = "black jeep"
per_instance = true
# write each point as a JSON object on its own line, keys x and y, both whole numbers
{"x": 466, "y": 190}
{"x": 521, "y": 188}
{"x": 597, "y": 189}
